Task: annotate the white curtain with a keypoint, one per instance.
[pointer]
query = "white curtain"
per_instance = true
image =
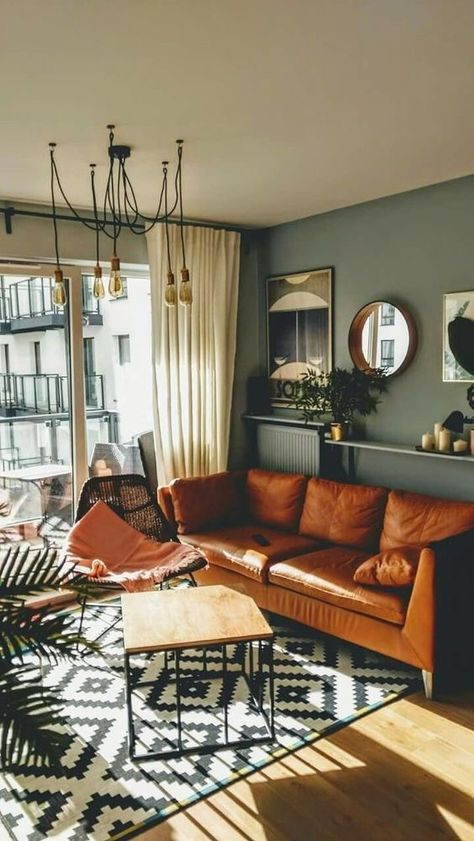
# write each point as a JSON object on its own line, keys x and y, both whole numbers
{"x": 194, "y": 350}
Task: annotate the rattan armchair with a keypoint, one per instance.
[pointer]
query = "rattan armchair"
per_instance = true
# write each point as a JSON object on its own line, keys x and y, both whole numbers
{"x": 130, "y": 497}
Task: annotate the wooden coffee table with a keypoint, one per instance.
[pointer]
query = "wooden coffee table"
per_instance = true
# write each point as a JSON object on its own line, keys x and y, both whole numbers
{"x": 171, "y": 621}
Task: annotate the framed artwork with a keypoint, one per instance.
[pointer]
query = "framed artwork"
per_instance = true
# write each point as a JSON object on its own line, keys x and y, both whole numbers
{"x": 299, "y": 329}
{"x": 455, "y": 305}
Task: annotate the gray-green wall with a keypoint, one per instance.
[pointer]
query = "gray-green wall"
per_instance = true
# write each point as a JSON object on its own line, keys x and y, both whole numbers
{"x": 408, "y": 248}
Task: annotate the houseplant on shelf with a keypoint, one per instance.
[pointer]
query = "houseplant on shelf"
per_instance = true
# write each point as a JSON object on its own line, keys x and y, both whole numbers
{"x": 339, "y": 394}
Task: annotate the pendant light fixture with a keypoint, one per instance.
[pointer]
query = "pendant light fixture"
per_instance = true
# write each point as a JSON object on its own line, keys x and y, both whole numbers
{"x": 98, "y": 290}
{"x": 119, "y": 210}
{"x": 185, "y": 294}
{"x": 59, "y": 290}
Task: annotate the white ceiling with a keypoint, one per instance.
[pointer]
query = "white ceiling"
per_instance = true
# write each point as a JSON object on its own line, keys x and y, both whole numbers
{"x": 288, "y": 107}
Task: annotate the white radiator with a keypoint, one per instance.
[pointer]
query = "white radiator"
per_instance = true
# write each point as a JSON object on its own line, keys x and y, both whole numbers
{"x": 289, "y": 449}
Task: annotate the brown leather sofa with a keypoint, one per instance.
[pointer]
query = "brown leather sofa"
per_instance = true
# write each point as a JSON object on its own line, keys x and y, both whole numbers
{"x": 316, "y": 534}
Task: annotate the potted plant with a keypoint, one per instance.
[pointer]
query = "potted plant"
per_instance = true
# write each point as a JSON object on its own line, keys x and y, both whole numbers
{"x": 339, "y": 394}
{"x": 31, "y": 724}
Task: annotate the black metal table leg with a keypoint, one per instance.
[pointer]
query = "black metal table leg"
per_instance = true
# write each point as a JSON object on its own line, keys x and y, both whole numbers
{"x": 271, "y": 687}
{"x": 260, "y": 677}
{"x": 224, "y": 694}
{"x": 178, "y": 699}
{"x": 128, "y": 698}
{"x": 251, "y": 675}
{"x": 256, "y": 685}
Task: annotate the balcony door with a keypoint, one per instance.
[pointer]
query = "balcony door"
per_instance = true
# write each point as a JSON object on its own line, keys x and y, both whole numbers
{"x": 74, "y": 397}
{"x": 39, "y": 468}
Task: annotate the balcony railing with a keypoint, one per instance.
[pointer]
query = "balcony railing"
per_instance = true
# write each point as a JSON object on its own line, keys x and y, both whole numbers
{"x": 45, "y": 439}
{"x": 45, "y": 393}
{"x": 28, "y": 304}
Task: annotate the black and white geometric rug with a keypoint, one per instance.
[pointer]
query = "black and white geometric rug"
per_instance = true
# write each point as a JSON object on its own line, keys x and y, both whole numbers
{"x": 321, "y": 684}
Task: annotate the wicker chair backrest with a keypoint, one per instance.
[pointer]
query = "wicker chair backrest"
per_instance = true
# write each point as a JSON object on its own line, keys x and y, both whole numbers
{"x": 129, "y": 496}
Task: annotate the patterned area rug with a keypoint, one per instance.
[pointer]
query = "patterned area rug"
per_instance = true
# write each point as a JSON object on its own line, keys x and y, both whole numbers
{"x": 321, "y": 684}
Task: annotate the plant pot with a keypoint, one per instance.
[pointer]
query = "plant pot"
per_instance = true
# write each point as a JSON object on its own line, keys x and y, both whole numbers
{"x": 339, "y": 430}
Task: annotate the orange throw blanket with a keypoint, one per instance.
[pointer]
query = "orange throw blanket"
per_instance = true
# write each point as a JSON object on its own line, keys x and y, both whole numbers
{"x": 109, "y": 551}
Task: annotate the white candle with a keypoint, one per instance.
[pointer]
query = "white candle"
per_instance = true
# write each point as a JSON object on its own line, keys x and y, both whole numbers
{"x": 444, "y": 440}
{"x": 460, "y": 446}
{"x": 437, "y": 429}
{"x": 427, "y": 441}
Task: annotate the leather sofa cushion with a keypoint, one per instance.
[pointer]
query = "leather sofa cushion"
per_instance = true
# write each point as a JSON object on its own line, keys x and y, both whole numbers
{"x": 234, "y": 547}
{"x": 204, "y": 501}
{"x": 415, "y": 519}
{"x": 392, "y": 568}
{"x": 328, "y": 575}
{"x": 348, "y": 515}
{"x": 275, "y": 499}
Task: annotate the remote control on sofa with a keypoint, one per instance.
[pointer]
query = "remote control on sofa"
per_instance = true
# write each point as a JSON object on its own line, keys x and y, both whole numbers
{"x": 261, "y": 540}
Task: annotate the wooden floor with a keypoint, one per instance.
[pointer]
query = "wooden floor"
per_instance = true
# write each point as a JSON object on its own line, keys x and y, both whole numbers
{"x": 402, "y": 773}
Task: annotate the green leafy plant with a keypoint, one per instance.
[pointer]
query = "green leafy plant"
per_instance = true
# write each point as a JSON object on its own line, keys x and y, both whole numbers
{"x": 340, "y": 393}
{"x": 32, "y": 726}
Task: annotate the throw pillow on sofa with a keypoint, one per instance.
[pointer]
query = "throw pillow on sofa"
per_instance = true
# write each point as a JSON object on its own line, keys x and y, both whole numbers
{"x": 392, "y": 568}
{"x": 349, "y": 515}
{"x": 203, "y": 501}
{"x": 275, "y": 499}
{"x": 415, "y": 519}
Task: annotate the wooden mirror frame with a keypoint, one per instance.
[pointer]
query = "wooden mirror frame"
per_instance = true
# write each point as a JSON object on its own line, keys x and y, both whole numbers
{"x": 355, "y": 336}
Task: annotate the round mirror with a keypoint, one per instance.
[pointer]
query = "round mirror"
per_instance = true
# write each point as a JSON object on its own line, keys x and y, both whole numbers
{"x": 382, "y": 335}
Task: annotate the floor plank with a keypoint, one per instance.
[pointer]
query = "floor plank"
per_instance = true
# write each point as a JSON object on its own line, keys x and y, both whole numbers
{"x": 403, "y": 773}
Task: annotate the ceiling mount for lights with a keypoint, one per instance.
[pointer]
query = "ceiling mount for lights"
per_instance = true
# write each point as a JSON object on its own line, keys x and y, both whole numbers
{"x": 118, "y": 209}
{"x": 120, "y": 152}
{"x": 115, "y": 151}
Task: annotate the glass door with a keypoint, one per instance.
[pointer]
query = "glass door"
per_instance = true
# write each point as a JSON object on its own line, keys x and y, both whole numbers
{"x": 118, "y": 372}
{"x": 36, "y": 498}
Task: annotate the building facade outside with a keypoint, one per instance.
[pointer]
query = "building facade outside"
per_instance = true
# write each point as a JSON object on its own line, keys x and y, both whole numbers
{"x": 35, "y": 429}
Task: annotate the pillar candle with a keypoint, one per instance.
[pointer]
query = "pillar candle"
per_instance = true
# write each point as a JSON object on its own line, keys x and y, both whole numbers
{"x": 444, "y": 440}
{"x": 460, "y": 446}
{"x": 472, "y": 442}
{"x": 427, "y": 441}
{"x": 437, "y": 429}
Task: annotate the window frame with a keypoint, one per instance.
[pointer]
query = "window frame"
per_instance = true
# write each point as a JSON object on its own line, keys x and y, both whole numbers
{"x": 383, "y": 355}
{"x": 119, "y": 337}
{"x": 387, "y": 315}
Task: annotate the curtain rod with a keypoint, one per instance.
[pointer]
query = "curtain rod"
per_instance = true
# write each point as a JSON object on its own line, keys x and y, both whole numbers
{"x": 11, "y": 211}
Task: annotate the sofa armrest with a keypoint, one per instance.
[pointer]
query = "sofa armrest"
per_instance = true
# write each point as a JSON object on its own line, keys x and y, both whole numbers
{"x": 166, "y": 504}
{"x": 440, "y": 616}
{"x": 419, "y": 626}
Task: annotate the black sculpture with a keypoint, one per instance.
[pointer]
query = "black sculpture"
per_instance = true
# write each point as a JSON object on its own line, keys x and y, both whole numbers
{"x": 461, "y": 341}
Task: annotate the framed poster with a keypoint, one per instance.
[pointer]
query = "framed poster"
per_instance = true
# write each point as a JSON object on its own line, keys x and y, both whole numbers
{"x": 455, "y": 305}
{"x": 299, "y": 329}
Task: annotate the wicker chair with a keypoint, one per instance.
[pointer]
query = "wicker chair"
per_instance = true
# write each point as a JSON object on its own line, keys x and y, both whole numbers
{"x": 129, "y": 496}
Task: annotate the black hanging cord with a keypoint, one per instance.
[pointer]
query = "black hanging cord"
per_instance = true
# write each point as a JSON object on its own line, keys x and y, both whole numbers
{"x": 94, "y": 202}
{"x": 181, "y": 229}
{"x": 71, "y": 208}
{"x": 53, "y": 204}
{"x": 112, "y": 205}
{"x": 126, "y": 199}
{"x": 130, "y": 215}
{"x": 127, "y": 185}
{"x": 167, "y": 235}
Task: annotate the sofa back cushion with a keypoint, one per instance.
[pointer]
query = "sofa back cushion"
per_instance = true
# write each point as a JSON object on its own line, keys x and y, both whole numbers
{"x": 343, "y": 514}
{"x": 275, "y": 499}
{"x": 203, "y": 502}
{"x": 415, "y": 519}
